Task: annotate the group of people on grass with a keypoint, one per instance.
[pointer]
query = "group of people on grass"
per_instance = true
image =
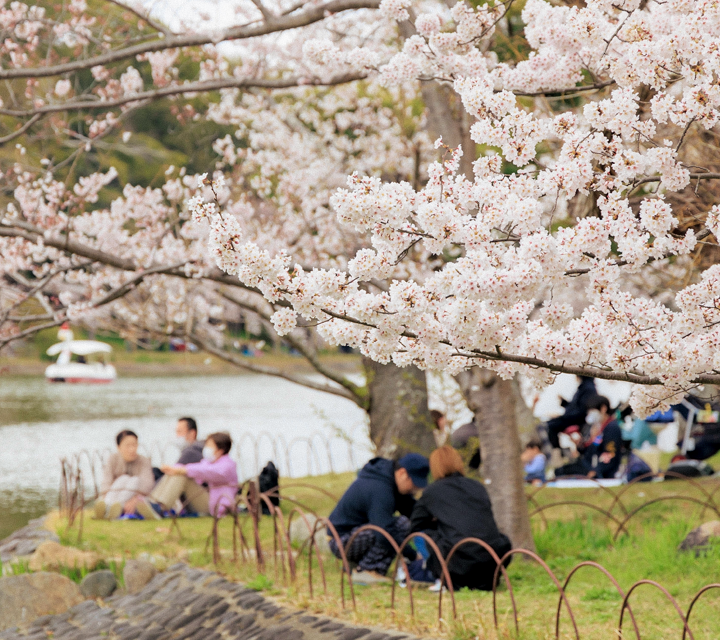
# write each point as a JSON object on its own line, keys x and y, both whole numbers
{"x": 203, "y": 481}
{"x": 587, "y": 433}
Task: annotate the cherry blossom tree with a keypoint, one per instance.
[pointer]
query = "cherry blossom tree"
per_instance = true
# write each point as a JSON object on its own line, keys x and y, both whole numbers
{"x": 565, "y": 221}
{"x": 563, "y": 250}
{"x": 134, "y": 265}
{"x": 513, "y": 248}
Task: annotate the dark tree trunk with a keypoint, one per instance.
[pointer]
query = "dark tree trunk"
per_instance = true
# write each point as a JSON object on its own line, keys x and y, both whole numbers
{"x": 446, "y": 116}
{"x": 400, "y": 421}
{"x": 494, "y": 402}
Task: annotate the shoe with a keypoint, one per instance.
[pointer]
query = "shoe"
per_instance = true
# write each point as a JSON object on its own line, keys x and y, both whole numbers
{"x": 146, "y": 511}
{"x": 436, "y": 587}
{"x": 365, "y": 578}
{"x": 99, "y": 510}
{"x": 114, "y": 512}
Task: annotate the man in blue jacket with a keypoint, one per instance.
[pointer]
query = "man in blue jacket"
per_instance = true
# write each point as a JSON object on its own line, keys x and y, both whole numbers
{"x": 382, "y": 488}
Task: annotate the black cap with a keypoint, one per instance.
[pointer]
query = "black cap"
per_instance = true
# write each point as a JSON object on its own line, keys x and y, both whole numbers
{"x": 417, "y": 467}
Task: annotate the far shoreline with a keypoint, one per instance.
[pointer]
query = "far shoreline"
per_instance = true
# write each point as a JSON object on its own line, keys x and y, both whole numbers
{"x": 138, "y": 364}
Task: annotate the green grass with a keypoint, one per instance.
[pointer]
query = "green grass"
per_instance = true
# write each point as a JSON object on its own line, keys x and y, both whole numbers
{"x": 570, "y": 535}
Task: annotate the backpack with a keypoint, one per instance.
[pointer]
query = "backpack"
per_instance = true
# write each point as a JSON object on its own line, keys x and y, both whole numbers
{"x": 637, "y": 467}
{"x": 267, "y": 481}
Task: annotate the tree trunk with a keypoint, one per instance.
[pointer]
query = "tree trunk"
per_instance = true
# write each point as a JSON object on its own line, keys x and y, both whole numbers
{"x": 400, "y": 421}
{"x": 446, "y": 116}
{"x": 494, "y": 403}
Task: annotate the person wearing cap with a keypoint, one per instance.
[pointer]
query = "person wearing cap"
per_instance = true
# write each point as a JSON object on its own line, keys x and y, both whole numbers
{"x": 451, "y": 509}
{"x": 382, "y": 488}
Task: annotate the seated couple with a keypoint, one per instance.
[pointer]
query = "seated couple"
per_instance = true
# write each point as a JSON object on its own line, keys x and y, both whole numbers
{"x": 128, "y": 486}
{"x": 453, "y": 507}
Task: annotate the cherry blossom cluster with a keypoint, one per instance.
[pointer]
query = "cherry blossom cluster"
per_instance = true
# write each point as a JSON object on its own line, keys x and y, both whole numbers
{"x": 503, "y": 297}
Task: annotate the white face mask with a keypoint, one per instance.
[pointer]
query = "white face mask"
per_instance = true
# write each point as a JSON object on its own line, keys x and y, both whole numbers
{"x": 593, "y": 417}
{"x": 181, "y": 442}
{"x": 209, "y": 453}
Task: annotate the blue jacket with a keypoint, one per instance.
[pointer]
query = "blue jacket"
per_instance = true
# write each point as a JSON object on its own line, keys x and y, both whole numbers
{"x": 372, "y": 499}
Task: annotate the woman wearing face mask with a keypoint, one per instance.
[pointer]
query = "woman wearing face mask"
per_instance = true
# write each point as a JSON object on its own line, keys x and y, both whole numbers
{"x": 216, "y": 469}
{"x": 599, "y": 455}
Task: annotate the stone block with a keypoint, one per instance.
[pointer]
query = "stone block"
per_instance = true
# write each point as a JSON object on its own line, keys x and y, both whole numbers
{"x": 53, "y": 555}
{"x": 24, "y": 598}
{"x": 299, "y": 532}
{"x": 699, "y": 538}
{"x": 137, "y": 573}
{"x": 98, "y": 584}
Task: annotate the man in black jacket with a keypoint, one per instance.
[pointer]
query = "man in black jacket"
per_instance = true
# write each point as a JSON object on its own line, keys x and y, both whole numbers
{"x": 382, "y": 488}
{"x": 599, "y": 456}
{"x": 575, "y": 411}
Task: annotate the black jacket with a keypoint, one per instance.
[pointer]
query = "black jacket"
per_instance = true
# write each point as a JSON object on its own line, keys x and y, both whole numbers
{"x": 576, "y": 408}
{"x": 454, "y": 508}
{"x": 372, "y": 499}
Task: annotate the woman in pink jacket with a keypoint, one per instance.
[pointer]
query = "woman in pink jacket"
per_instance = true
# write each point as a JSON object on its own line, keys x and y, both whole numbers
{"x": 216, "y": 469}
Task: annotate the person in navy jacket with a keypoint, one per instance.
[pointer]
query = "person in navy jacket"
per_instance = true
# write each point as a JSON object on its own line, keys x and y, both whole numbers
{"x": 382, "y": 488}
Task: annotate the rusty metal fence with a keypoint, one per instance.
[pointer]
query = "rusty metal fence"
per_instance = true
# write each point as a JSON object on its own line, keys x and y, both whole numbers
{"x": 287, "y": 558}
{"x": 248, "y": 547}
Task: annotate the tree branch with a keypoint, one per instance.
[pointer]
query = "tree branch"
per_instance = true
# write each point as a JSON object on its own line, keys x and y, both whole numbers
{"x": 621, "y": 263}
{"x": 190, "y": 87}
{"x": 358, "y": 393}
{"x": 143, "y": 16}
{"x": 16, "y": 134}
{"x": 269, "y": 371}
{"x": 125, "y": 288}
{"x": 282, "y": 23}
{"x": 29, "y": 331}
{"x": 501, "y": 356}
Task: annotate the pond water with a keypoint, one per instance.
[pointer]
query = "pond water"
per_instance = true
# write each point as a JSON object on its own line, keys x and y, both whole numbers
{"x": 304, "y": 431}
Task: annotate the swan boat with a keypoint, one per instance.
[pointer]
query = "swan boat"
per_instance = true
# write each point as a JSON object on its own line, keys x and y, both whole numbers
{"x": 72, "y": 365}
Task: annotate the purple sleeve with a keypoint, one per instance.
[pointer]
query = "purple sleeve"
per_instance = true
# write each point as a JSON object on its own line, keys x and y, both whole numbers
{"x": 218, "y": 472}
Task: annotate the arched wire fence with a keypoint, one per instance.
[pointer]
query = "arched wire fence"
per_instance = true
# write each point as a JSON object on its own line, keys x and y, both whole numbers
{"x": 286, "y": 557}
{"x": 248, "y": 547}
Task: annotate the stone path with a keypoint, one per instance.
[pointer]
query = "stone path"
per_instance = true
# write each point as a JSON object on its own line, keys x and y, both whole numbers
{"x": 189, "y": 604}
{"x": 24, "y": 541}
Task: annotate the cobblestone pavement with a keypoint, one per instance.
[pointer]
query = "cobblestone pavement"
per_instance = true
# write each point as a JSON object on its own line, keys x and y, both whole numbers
{"x": 189, "y": 604}
{"x": 24, "y": 541}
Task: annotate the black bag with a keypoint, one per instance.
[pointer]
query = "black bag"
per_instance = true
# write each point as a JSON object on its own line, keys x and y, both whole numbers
{"x": 690, "y": 469}
{"x": 267, "y": 481}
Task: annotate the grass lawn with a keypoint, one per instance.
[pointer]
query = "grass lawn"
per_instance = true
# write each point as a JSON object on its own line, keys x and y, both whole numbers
{"x": 570, "y": 535}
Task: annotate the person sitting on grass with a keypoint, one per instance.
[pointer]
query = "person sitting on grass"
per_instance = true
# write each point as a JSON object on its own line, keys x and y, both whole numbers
{"x": 534, "y": 462}
{"x": 381, "y": 488}
{"x": 127, "y": 478}
{"x": 599, "y": 456}
{"x": 454, "y": 507}
{"x": 186, "y": 439}
{"x": 217, "y": 469}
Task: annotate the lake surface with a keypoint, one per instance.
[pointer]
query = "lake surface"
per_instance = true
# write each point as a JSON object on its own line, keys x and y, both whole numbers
{"x": 304, "y": 431}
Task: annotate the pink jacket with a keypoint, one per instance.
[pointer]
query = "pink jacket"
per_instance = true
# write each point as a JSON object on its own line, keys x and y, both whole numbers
{"x": 221, "y": 476}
